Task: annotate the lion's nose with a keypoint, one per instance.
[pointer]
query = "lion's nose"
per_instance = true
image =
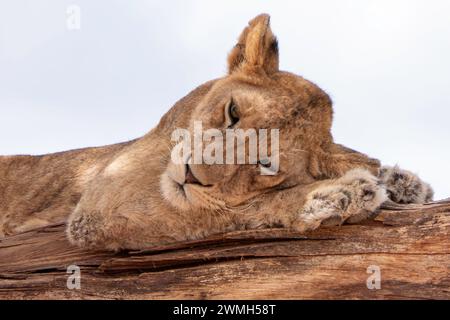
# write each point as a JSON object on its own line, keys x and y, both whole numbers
{"x": 190, "y": 178}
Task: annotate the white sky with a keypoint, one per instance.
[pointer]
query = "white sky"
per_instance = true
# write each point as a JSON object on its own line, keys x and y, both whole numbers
{"x": 385, "y": 63}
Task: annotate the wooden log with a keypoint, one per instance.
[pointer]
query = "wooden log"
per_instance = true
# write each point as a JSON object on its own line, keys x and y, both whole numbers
{"x": 409, "y": 244}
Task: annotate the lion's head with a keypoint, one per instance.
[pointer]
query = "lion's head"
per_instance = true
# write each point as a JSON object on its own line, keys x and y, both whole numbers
{"x": 257, "y": 95}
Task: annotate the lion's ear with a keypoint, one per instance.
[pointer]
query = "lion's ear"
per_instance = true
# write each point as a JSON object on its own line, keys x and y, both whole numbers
{"x": 257, "y": 47}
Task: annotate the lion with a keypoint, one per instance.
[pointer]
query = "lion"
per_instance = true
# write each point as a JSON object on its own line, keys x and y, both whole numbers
{"x": 133, "y": 195}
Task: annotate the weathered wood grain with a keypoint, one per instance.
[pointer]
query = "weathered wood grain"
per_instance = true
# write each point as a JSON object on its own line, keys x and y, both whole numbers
{"x": 410, "y": 245}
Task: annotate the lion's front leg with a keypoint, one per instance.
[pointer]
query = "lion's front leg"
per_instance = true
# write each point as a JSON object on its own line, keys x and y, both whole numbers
{"x": 351, "y": 198}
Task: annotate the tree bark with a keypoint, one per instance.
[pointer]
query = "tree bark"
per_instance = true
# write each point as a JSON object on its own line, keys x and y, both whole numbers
{"x": 409, "y": 245}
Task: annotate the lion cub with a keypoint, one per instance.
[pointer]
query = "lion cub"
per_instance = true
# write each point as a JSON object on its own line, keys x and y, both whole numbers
{"x": 138, "y": 194}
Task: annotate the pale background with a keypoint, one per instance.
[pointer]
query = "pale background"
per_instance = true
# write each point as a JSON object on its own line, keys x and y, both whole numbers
{"x": 385, "y": 64}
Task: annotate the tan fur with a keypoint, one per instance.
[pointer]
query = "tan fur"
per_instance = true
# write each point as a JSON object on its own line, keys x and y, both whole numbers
{"x": 132, "y": 196}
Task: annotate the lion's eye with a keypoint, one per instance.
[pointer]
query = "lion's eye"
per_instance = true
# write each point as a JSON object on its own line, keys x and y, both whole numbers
{"x": 265, "y": 163}
{"x": 265, "y": 166}
{"x": 232, "y": 114}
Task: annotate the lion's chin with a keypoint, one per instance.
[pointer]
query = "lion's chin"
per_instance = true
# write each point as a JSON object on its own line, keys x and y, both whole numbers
{"x": 174, "y": 193}
{"x": 180, "y": 196}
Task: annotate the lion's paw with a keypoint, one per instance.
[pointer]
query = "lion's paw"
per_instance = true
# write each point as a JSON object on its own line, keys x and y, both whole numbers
{"x": 366, "y": 193}
{"x": 403, "y": 186}
{"x": 83, "y": 230}
{"x": 321, "y": 211}
{"x": 352, "y": 198}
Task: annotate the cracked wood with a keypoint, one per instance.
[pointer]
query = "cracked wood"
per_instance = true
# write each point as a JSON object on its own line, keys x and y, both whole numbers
{"x": 410, "y": 244}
